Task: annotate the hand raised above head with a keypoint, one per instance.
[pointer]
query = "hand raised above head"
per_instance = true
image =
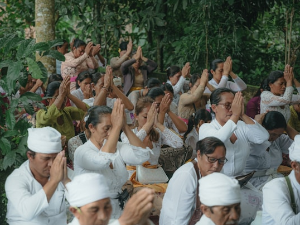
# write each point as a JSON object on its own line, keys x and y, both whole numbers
{"x": 227, "y": 66}
{"x": 164, "y": 106}
{"x": 108, "y": 77}
{"x": 96, "y": 49}
{"x": 117, "y": 115}
{"x": 237, "y": 104}
{"x": 129, "y": 47}
{"x": 186, "y": 70}
{"x": 288, "y": 74}
{"x": 89, "y": 48}
{"x": 204, "y": 78}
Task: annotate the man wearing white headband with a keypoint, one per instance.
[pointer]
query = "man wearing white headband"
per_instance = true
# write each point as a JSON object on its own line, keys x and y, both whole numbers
{"x": 220, "y": 199}
{"x": 33, "y": 198}
{"x": 281, "y": 196}
{"x": 88, "y": 195}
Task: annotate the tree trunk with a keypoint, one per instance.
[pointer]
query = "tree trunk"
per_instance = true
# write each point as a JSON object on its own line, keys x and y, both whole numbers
{"x": 45, "y": 28}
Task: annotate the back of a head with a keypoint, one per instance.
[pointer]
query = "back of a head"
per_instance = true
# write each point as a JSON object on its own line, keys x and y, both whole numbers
{"x": 194, "y": 78}
{"x": 95, "y": 114}
{"x": 51, "y": 88}
{"x": 142, "y": 103}
{"x": 217, "y": 189}
{"x": 272, "y": 78}
{"x": 208, "y": 145}
{"x": 155, "y": 92}
{"x": 96, "y": 76}
{"x": 274, "y": 120}
{"x": 215, "y": 96}
{"x": 167, "y": 87}
{"x": 54, "y": 77}
{"x": 153, "y": 82}
{"x": 172, "y": 70}
{"x": 78, "y": 43}
{"x": 123, "y": 46}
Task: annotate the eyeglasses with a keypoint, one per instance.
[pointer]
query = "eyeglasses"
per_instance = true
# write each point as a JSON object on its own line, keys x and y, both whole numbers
{"x": 221, "y": 161}
{"x": 226, "y": 105}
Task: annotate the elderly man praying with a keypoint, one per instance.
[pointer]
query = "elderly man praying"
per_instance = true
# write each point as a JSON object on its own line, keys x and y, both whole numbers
{"x": 35, "y": 191}
{"x": 220, "y": 199}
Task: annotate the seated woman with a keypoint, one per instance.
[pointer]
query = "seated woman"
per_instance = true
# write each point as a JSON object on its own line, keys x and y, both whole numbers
{"x": 181, "y": 202}
{"x": 103, "y": 154}
{"x": 253, "y": 105}
{"x": 135, "y": 95}
{"x": 220, "y": 71}
{"x": 80, "y": 59}
{"x": 57, "y": 115}
{"x": 135, "y": 71}
{"x": 168, "y": 89}
{"x": 196, "y": 120}
{"x": 265, "y": 158}
{"x": 278, "y": 92}
{"x": 83, "y": 86}
{"x": 165, "y": 115}
{"x": 194, "y": 99}
{"x": 177, "y": 78}
{"x": 151, "y": 131}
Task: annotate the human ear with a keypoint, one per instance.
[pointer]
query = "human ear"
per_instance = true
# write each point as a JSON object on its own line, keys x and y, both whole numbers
{"x": 214, "y": 108}
{"x": 74, "y": 211}
{"x": 206, "y": 210}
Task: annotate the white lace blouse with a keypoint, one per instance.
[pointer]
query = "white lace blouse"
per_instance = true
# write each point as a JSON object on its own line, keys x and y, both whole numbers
{"x": 89, "y": 159}
{"x": 272, "y": 102}
{"x": 166, "y": 137}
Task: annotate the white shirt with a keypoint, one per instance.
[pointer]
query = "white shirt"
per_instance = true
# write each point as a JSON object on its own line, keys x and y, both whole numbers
{"x": 179, "y": 201}
{"x": 277, "y": 208}
{"x": 205, "y": 221}
{"x": 178, "y": 87}
{"x": 238, "y": 152}
{"x": 27, "y": 200}
{"x": 165, "y": 138}
{"x": 191, "y": 139}
{"x": 261, "y": 160}
{"x": 89, "y": 159}
{"x": 271, "y": 102}
{"x": 78, "y": 94}
{"x": 237, "y": 85}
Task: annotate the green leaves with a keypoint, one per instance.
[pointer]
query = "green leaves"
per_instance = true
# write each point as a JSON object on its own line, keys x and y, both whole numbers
{"x": 10, "y": 119}
{"x": 34, "y": 69}
{"x": 4, "y": 145}
{"x": 56, "y": 55}
{"x": 31, "y": 96}
{"x": 9, "y": 159}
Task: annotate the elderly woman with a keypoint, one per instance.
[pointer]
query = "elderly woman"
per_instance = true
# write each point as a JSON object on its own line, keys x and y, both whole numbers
{"x": 81, "y": 58}
{"x": 181, "y": 198}
{"x": 57, "y": 115}
{"x": 194, "y": 99}
{"x": 103, "y": 154}
{"x": 220, "y": 71}
{"x": 135, "y": 71}
{"x": 278, "y": 92}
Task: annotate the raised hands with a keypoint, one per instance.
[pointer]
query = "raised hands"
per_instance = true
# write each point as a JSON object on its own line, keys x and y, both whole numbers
{"x": 164, "y": 106}
{"x": 129, "y": 47}
{"x": 138, "y": 208}
{"x": 108, "y": 77}
{"x": 117, "y": 115}
{"x": 58, "y": 168}
{"x": 227, "y": 66}
{"x": 96, "y": 49}
{"x": 138, "y": 54}
{"x": 89, "y": 48}
{"x": 64, "y": 88}
{"x": 186, "y": 70}
{"x": 237, "y": 105}
{"x": 152, "y": 113}
{"x": 204, "y": 78}
{"x": 288, "y": 75}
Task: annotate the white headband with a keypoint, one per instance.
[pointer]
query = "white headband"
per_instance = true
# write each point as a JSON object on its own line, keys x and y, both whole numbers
{"x": 87, "y": 188}
{"x": 44, "y": 140}
{"x": 219, "y": 189}
{"x": 294, "y": 149}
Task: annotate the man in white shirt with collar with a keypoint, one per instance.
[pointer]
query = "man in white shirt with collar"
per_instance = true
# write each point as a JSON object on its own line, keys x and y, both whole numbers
{"x": 220, "y": 199}
{"x": 88, "y": 195}
{"x": 35, "y": 191}
{"x": 277, "y": 200}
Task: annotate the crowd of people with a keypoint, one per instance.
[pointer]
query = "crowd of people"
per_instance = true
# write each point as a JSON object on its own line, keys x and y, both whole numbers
{"x": 95, "y": 150}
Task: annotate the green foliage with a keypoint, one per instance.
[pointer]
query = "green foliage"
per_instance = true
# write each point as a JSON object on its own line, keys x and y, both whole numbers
{"x": 18, "y": 54}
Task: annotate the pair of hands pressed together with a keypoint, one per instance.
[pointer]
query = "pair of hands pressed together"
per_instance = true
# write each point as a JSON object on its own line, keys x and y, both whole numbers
{"x": 227, "y": 68}
{"x": 58, "y": 171}
{"x": 92, "y": 50}
{"x": 139, "y": 55}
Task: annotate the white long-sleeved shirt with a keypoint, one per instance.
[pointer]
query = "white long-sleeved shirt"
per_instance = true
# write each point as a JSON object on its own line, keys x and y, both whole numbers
{"x": 262, "y": 160}
{"x": 89, "y": 159}
{"x": 27, "y": 200}
{"x": 238, "y": 152}
{"x": 237, "y": 85}
{"x": 271, "y": 102}
{"x": 277, "y": 208}
{"x": 179, "y": 201}
{"x": 166, "y": 137}
{"x": 205, "y": 221}
{"x": 177, "y": 88}
{"x": 78, "y": 94}
{"x": 111, "y": 222}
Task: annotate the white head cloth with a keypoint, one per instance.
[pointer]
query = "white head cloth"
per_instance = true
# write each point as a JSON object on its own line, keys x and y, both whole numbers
{"x": 117, "y": 81}
{"x": 219, "y": 189}
{"x": 44, "y": 140}
{"x": 87, "y": 188}
{"x": 294, "y": 149}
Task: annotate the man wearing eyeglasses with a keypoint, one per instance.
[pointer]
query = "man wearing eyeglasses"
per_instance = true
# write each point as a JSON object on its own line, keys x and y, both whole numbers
{"x": 181, "y": 203}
